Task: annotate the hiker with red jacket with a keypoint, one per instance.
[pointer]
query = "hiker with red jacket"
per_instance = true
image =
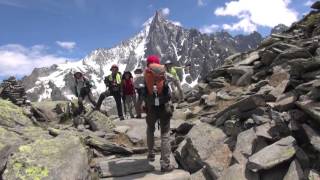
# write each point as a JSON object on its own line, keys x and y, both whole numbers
{"x": 157, "y": 98}
{"x": 82, "y": 90}
{"x": 129, "y": 94}
{"x": 113, "y": 84}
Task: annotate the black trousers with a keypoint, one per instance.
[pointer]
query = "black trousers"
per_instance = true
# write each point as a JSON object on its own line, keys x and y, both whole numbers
{"x": 117, "y": 98}
{"x": 85, "y": 92}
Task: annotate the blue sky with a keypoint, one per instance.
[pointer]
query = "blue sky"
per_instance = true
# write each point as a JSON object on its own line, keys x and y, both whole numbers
{"x": 35, "y": 33}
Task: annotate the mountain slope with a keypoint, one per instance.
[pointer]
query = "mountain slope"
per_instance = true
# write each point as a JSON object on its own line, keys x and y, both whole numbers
{"x": 159, "y": 36}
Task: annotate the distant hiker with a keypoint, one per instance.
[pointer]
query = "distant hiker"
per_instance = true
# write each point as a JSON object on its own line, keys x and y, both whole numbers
{"x": 158, "y": 108}
{"x": 176, "y": 83}
{"x": 139, "y": 86}
{"x": 129, "y": 93}
{"x": 82, "y": 90}
{"x": 113, "y": 84}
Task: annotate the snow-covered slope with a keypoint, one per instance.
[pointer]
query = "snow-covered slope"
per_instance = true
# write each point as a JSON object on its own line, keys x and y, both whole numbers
{"x": 158, "y": 36}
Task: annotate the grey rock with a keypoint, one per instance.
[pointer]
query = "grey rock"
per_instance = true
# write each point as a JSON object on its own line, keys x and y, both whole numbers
{"x": 273, "y": 155}
{"x": 63, "y": 157}
{"x": 290, "y": 54}
{"x": 239, "y": 172}
{"x": 313, "y": 136}
{"x": 311, "y": 108}
{"x": 280, "y": 89}
{"x": 120, "y": 167}
{"x": 200, "y": 175}
{"x": 241, "y": 75}
{"x": 285, "y": 102}
{"x": 264, "y": 131}
{"x": 268, "y": 56}
{"x": 250, "y": 59}
{"x": 313, "y": 175}
{"x": 176, "y": 174}
{"x": 204, "y": 147}
{"x": 245, "y": 144}
{"x": 295, "y": 172}
{"x": 223, "y": 95}
{"x": 244, "y": 105}
{"x": 106, "y": 147}
{"x": 121, "y": 129}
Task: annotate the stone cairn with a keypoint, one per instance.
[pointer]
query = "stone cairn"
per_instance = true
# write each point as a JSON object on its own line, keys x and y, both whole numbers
{"x": 12, "y": 90}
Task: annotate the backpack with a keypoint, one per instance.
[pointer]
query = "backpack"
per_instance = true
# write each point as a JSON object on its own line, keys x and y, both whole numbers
{"x": 155, "y": 76}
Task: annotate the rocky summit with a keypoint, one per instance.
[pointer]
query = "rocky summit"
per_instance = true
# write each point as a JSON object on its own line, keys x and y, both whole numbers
{"x": 255, "y": 117}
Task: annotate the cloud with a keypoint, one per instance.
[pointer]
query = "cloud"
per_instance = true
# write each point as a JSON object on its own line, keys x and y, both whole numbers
{"x": 69, "y": 45}
{"x": 200, "y": 3}
{"x": 208, "y": 29}
{"x": 177, "y": 23}
{"x": 19, "y": 60}
{"x": 309, "y": 3}
{"x": 165, "y": 11}
{"x": 13, "y": 3}
{"x": 253, "y": 13}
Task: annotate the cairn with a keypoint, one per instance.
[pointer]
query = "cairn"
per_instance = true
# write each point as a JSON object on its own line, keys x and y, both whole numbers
{"x": 12, "y": 90}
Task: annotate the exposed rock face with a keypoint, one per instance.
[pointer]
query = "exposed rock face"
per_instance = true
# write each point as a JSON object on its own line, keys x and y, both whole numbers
{"x": 159, "y": 36}
{"x": 59, "y": 158}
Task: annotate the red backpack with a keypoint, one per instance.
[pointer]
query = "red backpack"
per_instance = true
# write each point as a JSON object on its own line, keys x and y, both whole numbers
{"x": 155, "y": 75}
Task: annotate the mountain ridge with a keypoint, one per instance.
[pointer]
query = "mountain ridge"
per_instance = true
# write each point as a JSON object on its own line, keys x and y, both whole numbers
{"x": 159, "y": 36}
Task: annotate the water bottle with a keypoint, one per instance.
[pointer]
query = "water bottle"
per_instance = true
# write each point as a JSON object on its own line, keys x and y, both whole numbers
{"x": 156, "y": 99}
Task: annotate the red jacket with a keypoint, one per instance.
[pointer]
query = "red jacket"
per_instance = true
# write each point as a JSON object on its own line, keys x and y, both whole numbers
{"x": 128, "y": 87}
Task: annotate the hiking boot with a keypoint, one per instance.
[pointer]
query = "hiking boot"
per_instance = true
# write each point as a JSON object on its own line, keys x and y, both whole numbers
{"x": 121, "y": 118}
{"x": 167, "y": 168}
{"x": 138, "y": 117}
{"x": 151, "y": 157}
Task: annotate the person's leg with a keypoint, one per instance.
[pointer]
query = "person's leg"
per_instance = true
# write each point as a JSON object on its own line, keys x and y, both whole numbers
{"x": 151, "y": 120}
{"x": 101, "y": 98}
{"x": 80, "y": 104}
{"x": 181, "y": 95}
{"x": 138, "y": 105}
{"x": 117, "y": 98}
{"x": 130, "y": 105}
{"x": 165, "y": 116}
{"x": 91, "y": 99}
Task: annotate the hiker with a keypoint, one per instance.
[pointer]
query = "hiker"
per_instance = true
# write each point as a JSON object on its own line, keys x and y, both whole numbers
{"x": 176, "y": 83}
{"x": 158, "y": 108}
{"x": 113, "y": 84}
{"x": 139, "y": 86}
{"x": 129, "y": 93}
{"x": 82, "y": 90}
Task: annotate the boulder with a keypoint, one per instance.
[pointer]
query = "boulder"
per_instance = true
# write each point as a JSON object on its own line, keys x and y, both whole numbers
{"x": 99, "y": 121}
{"x": 200, "y": 175}
{"x": 278, "y": 77}
{"x": 290, "y": 54}
{"x": 245, "y": 145}
{"x": 268, "y": 56}
{"x": 245, "y": 105}
{"x": 63, "y": 157}
{"x": 12, "y": 115}
{"x": 252, "y": 57}
{"x": 238, "y": 172}
{"x": 106, "y": 147}
{"x": 313, "y": 136}
{"x": 241, "y": 75}
{"x": 120, "y": 167}
{"x": 204, "y": 146}
{"x": 121, "y": 129}
{"x": 311, "y": 108}
{"x": 280, "y": 89}
{"x": 295, "y": 172}
{"x": 218, "y": 82}
{"x": 176, "y": 174}
{"x": 273, "y": 155}
{"x": 313, "y": 175}
{"x": 137, "y": 130}
{"x": 285, "y": 102}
